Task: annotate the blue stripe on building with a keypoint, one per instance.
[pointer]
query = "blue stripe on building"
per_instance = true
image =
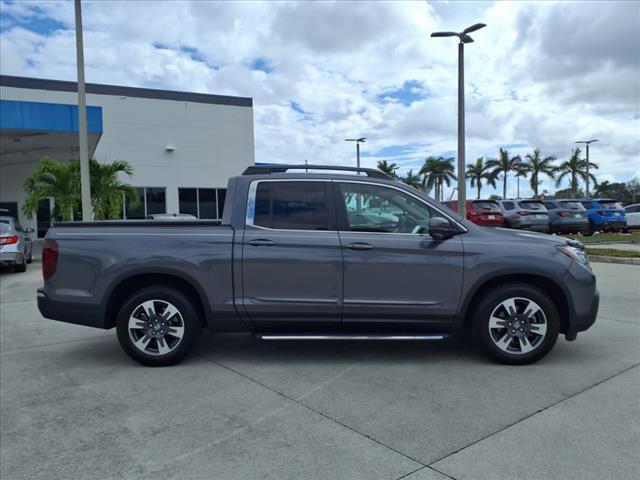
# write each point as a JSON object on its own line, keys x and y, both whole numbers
{"x": 46, "y": 117}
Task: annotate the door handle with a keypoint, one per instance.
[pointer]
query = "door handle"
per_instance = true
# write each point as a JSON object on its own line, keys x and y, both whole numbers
{"x": 261, "y": 242}
{"x": 360, "y": 246}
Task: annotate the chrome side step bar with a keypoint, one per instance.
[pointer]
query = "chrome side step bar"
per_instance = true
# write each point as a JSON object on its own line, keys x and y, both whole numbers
{"x": 267, "y": 336}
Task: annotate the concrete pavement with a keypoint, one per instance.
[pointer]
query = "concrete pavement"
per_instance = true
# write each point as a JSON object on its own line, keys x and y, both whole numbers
{"x": 73, "y": 405}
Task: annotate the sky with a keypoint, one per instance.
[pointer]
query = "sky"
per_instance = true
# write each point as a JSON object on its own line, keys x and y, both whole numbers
{"x": 540, "y": 75}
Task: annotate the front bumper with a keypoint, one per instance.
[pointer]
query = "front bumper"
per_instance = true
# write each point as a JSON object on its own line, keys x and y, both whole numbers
{"x": 71, "y": 312}
{"x": 582, "y": 322}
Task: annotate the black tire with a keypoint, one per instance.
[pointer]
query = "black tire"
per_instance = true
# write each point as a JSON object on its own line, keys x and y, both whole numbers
{"x": 540, "y": 346}
{"x": 30, "y": 257}
{"x": 188, "y": 314}
{"x": 20, "y": 267}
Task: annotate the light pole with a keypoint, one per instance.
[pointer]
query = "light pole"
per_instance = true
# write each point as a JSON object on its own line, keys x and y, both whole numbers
{"x": 587, "y": 142}
{"x": 85, "y": 186}
{"x": 464, "y": 38}
{"x": 358, "y": 142}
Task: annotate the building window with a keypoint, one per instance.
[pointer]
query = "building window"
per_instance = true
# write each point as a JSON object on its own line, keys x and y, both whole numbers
{"x": 151, "y": 200}
{"x": 205, "y": 203}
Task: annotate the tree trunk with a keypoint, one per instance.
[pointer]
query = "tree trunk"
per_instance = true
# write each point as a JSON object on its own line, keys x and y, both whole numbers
{"x": 504, "y": 186}
{"x": 479, "y": 189}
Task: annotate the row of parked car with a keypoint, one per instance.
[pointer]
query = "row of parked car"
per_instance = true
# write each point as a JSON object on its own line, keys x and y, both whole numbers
{"x": 586, "y": 215}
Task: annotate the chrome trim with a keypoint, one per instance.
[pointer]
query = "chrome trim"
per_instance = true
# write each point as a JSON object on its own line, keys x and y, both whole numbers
{"x": 251, "y": 205}
{"x": 351, "y": 337}
{"x": 292, "y": 300}
{"x": 391, "y": 303}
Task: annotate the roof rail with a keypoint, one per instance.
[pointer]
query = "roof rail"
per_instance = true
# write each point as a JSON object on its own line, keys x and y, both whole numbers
{"x": 267, "y": 169}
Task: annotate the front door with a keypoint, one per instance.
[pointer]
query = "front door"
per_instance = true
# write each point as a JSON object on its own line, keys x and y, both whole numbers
{"x": 291, "y": 256}
{"x": 394, "y": 272}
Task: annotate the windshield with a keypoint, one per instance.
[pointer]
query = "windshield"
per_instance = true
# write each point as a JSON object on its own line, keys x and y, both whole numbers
{"x": 532, "y": 205}
{"x": 572, "y": 205}
{"x": 486, "y": 205}
{"x": 610, "y": 204}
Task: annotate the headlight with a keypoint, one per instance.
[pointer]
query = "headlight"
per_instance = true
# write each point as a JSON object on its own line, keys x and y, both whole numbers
{"x": 576, "y": 254}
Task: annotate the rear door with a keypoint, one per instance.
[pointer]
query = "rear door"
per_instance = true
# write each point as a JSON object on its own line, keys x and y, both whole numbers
{"x": 393, "y": 274}
{"x": 291, "y": 257}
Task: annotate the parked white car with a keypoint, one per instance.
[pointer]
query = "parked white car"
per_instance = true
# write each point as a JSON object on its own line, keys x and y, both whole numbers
{"x": 632, "y": 213}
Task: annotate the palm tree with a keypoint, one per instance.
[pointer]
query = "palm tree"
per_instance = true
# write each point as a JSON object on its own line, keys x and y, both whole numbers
{"x": 477, "y": 172}
{"x": 502, "y": 166}
{"x": 52, "y": 179}
{"x": 61, "y": 181}
{"x": 603, "y": 189}
{"x": 107, "y": 191}
{"x": 538, "y": 165}
{"x": 388, "y": 168}
{"x": 576, "y": 169}
{"x": 412, "y": 180}
{"x": 437, "y": 171}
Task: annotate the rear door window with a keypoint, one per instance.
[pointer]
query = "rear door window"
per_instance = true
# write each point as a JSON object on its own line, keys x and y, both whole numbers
{"x": 586, "y": 205}
{"x": 508, "y": 205}
{"x": 292, "y": 205}
{"x": 550, "y": 205}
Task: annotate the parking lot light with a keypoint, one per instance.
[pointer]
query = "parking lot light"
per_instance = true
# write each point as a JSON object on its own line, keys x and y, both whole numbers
{"x": 587, "y": 142}
{"x": 464, "y": 38}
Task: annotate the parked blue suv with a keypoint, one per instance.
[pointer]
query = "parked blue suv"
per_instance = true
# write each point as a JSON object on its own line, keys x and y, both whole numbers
{"x": 605, "y": 214}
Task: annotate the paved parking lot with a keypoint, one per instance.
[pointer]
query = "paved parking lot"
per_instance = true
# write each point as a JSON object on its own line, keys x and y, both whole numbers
{"x": 74, "y": 406}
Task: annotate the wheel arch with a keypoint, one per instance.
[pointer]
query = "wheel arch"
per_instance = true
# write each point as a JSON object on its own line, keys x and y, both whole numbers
{"x": 126, "y": 286}
{"x": 553, "y": 289}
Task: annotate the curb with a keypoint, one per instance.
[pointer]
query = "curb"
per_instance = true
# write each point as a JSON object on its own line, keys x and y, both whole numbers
{"x": 619, "y": 260}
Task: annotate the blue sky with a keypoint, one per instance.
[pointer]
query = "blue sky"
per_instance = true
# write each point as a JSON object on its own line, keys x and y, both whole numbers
{"x": 324, "y": 71}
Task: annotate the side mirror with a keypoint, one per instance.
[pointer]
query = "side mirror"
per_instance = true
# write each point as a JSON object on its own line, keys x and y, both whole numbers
{"x": 29, "y": 230}
{"x": 440, "y": 228}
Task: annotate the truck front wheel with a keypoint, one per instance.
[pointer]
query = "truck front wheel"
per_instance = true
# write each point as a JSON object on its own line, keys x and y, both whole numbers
{"x": 516, "y": 324}
{"x": 158, "y": 326}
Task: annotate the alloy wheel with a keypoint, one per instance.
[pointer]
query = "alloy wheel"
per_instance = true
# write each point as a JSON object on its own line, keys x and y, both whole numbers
{"x": 517, "y": 325}
{"x": 156, "y": 327}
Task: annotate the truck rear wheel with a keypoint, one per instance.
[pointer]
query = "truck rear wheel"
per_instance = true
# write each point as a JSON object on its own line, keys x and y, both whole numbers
{"x": 516, "y": 324}
{"x": 158, "y": 326}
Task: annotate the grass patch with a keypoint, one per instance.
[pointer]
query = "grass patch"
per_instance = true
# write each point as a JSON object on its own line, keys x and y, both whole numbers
{"x": 633, "y": 237}
{"x": 612, "y": 252}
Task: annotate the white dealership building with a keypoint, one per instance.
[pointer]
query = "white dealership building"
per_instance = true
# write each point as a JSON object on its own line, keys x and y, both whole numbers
{"x": 183, "y": 146}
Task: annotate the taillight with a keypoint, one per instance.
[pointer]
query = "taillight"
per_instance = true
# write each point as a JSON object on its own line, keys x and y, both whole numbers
{"x": 523, "y": 213}
{"x": 49, "y": 258}
{"x": 8, "y": 240}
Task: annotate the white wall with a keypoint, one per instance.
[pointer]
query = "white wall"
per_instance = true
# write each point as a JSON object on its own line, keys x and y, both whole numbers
{"x": 212, "y": 142}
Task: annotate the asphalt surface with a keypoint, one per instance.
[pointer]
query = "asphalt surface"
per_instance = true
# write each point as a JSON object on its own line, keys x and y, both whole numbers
{"x": 74, "y": 406}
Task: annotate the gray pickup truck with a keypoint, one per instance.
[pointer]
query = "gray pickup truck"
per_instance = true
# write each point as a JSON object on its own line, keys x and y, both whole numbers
{"x": 315, "y": 256}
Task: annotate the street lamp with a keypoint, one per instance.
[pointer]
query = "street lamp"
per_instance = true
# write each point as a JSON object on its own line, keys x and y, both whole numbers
{"x": 358, "y": 142}
{"x": 464, "y": 38}
{"x": 587, "y": 142}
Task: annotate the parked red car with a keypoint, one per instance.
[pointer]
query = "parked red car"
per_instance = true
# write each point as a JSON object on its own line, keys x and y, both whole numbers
{"x": 481, "y": 212}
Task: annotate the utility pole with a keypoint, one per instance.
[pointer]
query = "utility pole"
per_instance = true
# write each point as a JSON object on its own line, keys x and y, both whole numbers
{"x": 463, "y": 38}
{"x": 587, "y": 142}
{"x": 85, "y": 185}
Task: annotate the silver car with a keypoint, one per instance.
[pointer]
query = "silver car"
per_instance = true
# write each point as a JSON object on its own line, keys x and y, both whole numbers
{"x": 525, "y": 214}
{"x": 567, "y": 216}
{"x": 15, "y": 244}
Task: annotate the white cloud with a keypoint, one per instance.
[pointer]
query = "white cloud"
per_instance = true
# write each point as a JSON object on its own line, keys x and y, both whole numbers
{"x": 542, "y": 74}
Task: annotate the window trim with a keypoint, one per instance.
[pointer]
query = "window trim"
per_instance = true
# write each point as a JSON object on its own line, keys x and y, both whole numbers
{"x": 251, "y": 206}
{"x": 401, "y": 190}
